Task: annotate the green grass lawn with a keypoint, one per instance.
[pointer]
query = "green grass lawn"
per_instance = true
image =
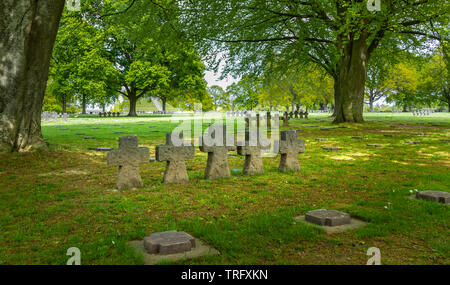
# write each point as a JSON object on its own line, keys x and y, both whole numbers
{"x": 65, "y": 197}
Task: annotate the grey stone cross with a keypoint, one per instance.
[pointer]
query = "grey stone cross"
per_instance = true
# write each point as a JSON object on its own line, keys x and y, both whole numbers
{"x": 253, "y": 145}
{"x": 215, "y": 144}
{"x": 175, "y": 154}
{"x": 128, "y": 157}
{"x": 289, "y": 147}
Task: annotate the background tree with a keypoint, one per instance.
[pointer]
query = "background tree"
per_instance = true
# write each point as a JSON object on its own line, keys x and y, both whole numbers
{"x": 220, "y": 98}
{"x": 402, "y": 85}
{"x": 338, "y": 35}
{"x": 434, "y": 81}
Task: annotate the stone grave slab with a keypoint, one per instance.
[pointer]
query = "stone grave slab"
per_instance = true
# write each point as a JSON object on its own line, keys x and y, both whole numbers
{"x": 389, "y": 136}
{"x": 445, "y": 140}
{"x": 437, "y": 196}
{"x": 89, "y": 138}
{"x": 331, "y": 221}
{"x": 100, "y": 148}
{"x": 169, "y": 242}
{"x": 412, "y": 142}
{"x": 375, "y": 145}
{"x": 321, "y": 139}
{"x": 331, "y": 148}
{"x": 357, "y": 138}
{"x": 199, "y": 249}
{"x": 80, "y": 134}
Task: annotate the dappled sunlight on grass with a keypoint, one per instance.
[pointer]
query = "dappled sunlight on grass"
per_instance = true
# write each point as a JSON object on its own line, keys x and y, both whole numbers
{"x": 66, "y": 197}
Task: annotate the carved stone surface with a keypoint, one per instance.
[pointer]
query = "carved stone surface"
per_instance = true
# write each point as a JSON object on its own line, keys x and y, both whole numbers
{"x": 170, "y": 242}
{"x": 323, "y": 217}
{"x": 252, "y": 148}
{"x": 175, "y": 156}
{"x": 216, "y": 142}
{"x": 437, "y": 196}
{"x": 127, "y": 158}
{"x": 289, "y": 148}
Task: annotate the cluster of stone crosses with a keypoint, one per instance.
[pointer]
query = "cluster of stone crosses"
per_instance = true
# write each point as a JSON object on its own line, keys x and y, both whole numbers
{"x": 422, "y": 112}
{"x": 53, "y": 116}
{"x": 104, "y": 114}
{"x": 216, "y": 142}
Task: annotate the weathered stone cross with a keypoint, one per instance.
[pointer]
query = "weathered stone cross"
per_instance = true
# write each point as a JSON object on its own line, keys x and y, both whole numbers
{"x": 128, "y": 157}
{"x": 252, "y": 150}
{"x": 175, "y": 155}
{"x": 289, "y": 147}
{"x": 215, "y": 144}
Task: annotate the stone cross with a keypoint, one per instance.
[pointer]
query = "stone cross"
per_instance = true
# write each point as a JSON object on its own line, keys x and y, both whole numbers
{"x": 289, "y": 147}
{"x": 175, "y": 155}
{"x": 215, "y": 144}
{"x": 252, "y": 150}
{"x": 128, "y": 157}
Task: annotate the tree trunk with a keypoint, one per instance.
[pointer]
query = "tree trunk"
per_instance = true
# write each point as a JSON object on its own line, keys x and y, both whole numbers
{"x": 352, "y": 79}
{"x": 83, "y": 103}
{"x": 371, "y": 102}
{"x": 337, "y": 101}
{"x": 27, "y": 34}
{"x": 133, "y": 100}
{"x": 163, "y": 101}
{"x": 405, "y": 108}
{"x": 64, "y": 103}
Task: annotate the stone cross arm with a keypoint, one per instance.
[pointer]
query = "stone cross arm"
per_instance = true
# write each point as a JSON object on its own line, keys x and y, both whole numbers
{"x": 174, "y": 153}
{"x": 290, "y": 144}
{"x": 120, "y": 157}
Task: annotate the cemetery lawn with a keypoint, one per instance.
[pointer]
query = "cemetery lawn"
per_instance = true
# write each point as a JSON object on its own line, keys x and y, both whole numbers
{"x": 65, "y": 197}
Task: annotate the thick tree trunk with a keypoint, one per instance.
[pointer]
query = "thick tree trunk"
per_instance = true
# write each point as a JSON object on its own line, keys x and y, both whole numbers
{"x": 337, "y": 101}
{"x": 405, "y": 108}
{"x": 27, "y": 33}
{"x": 133, "y": 100}
{"x": 352, "y": 79}
{"x": 370, "y": 104}
{"x": 83, "y": 103}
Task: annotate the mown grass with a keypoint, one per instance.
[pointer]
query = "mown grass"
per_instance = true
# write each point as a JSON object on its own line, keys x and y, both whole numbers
{"x": 65, "y": 197}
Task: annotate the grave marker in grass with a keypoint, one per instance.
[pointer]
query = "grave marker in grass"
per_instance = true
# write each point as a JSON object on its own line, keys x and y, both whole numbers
{"x": 437, "y": 196}
{"x": 217, "y": 143}
{"x": 289, "y": 148}
{"x": 127, "y": 158}
{"x": 251, "y": 149}
{"x": 175, "y": 154}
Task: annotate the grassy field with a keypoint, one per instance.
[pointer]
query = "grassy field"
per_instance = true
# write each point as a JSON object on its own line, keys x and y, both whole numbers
{"x": 65, "y": 197}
